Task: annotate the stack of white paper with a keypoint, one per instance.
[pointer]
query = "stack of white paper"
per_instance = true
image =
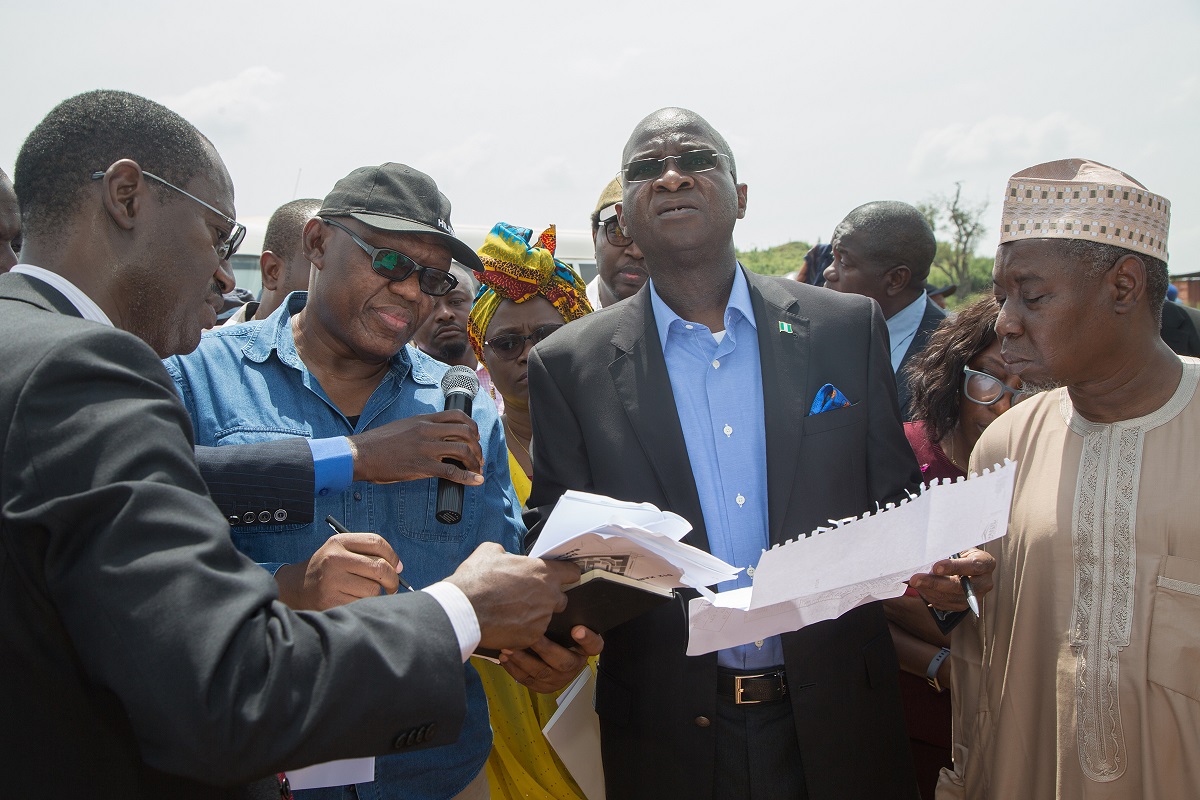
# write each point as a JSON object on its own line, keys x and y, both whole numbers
{"x": 861, "y": 560}
{"x": 632, "y": 539}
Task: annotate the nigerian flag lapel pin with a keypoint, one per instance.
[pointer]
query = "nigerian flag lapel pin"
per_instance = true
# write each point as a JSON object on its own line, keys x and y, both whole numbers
{"x": 785, "y": 327}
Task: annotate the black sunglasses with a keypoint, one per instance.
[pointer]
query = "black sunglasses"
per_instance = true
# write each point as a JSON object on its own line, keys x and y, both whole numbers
{"x": 395, "y": 266}
{"x": 647, "y": 169}
{"x": 510, "y": 345}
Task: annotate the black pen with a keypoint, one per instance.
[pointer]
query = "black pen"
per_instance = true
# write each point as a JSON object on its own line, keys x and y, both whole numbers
{"x": 969, "y": 591}
{"x": 340, "y": 528}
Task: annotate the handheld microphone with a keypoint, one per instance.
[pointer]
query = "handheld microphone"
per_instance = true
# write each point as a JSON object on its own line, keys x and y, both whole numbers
{"x": 459, "y": 385}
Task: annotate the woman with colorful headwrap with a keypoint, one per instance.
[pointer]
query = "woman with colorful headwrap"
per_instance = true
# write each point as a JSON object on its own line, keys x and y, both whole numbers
{"x": 525, "y": 295}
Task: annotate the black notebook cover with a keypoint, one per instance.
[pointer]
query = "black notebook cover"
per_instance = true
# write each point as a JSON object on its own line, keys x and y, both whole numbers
{"x": 602, "y": 600}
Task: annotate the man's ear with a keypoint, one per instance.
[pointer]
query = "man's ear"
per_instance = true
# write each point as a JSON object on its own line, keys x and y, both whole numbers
{"x": 124, "y": 192}
{"x": 1127, "y": 283}
{"x": 315, "y": 234}
{"x": 271, "y": 266}
{"x": 896, "y": 280}
{"x": 742, "y": 191}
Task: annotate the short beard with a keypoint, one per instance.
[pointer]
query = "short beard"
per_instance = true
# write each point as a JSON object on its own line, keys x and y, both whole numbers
{"x": 1044, "y": 386}
{"x": 452, "y": 351}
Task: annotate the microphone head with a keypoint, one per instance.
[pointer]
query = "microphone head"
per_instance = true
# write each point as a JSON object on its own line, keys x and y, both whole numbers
{"x": 460, "y": 380}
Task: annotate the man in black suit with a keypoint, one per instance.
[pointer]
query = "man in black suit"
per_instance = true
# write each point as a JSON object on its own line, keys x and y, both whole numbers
{"x": 617, "y": 411}
{"x": 143, "y": 656}
{"x": 883, "y": 250}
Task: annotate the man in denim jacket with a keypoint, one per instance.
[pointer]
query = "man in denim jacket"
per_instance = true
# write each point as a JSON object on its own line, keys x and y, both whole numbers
{"x": 335, "y": 362}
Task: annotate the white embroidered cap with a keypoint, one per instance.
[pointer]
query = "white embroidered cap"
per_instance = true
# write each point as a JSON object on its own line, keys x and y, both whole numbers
{"x": 1080, "y": 199}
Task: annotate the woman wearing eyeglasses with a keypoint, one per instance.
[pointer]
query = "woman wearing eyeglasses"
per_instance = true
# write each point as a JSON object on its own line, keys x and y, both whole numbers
{"x": 959, "y": 386}
{"x": 525, "y": 295}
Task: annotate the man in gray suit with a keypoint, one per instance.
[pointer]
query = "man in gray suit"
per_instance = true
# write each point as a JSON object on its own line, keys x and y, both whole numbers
{"x": 143, "y": 656}
{"x": 697, "y": 394}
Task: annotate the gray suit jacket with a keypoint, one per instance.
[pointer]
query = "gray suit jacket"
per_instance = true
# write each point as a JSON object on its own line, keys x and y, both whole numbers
{"x": 142, "y": 655}
{"x": 604, "y": 420}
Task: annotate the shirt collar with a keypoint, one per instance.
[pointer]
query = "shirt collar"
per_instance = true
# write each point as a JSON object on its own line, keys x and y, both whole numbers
{"x": 739, "y": 302}
{"x": 86, "y": 307}
{"x": 274, "y": 334}
{"x": 906, "y": 321}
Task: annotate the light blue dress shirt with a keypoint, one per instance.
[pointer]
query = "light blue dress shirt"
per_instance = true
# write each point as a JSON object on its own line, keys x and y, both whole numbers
{"x": 902, "y": 327}
{"x": 719, "y": 399}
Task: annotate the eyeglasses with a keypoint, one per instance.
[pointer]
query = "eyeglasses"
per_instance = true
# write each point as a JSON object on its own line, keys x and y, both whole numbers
{"x": 616, "y": 237}
{"x": 647, "y": 169}
{"x": 987, "y": 390}
{"x": 510, "y": 345}
{"x": 395, "y": 266}
{"x": 229, "y": 243}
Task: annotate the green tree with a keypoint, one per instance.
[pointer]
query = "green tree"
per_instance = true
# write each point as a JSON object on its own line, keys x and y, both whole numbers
{"x": 963, "y": 224}
{"x": 778, "y": 260}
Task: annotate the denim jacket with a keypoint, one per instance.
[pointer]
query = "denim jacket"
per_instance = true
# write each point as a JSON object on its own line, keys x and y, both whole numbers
{"x": 247, "y": 384}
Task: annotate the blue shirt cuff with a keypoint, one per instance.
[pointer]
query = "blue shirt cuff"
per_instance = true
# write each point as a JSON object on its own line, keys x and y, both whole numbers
{"x": 333, "y": 465}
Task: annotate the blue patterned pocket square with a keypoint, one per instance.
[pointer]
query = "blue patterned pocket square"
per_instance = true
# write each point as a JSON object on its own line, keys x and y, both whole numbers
{"x": 828, "y": 398}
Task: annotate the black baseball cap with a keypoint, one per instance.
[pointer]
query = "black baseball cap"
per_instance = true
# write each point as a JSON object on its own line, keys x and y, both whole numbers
{"x": 396, "y": 197}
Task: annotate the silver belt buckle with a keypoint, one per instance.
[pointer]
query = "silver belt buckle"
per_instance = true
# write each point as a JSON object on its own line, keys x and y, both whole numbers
{"x": 737, "y": 689}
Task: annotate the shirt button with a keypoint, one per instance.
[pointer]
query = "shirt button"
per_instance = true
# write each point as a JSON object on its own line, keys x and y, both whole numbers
{"x": 750, "y": 571}
{"x": 728, "y": 429}
{"x": 358, "y": 495}
{"x": 716, "y": 364}
{"x": 741, "y": 501}
{"x": 703, "y": 722}
{"x": 690, "y": 327}
{"x": 323, "y": 492}
{"x": 758, "y": 644}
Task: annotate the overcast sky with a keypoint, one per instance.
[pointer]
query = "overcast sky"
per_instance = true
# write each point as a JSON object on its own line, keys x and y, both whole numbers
{"x": 520, "y": 110}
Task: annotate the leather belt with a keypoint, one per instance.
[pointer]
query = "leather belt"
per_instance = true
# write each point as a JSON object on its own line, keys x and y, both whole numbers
{"x": 765, "y": 687}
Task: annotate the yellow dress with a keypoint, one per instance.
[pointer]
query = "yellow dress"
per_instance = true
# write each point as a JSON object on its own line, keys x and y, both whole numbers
{"x": 522, "y": 764}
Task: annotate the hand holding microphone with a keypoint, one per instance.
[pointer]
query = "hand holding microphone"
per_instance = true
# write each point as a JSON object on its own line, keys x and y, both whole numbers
{"x": 444, "y": 445}
{"x": 459, "y": 385}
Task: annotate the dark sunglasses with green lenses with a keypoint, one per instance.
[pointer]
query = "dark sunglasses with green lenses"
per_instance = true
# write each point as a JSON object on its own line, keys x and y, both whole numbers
{"x": 395, "y": 266}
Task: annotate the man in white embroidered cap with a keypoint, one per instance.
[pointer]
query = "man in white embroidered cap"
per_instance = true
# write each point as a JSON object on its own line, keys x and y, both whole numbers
{"x": 1080, "y": 679}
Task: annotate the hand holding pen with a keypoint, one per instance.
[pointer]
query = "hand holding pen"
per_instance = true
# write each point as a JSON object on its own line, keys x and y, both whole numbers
{"x": 347, "y": 567}
{"x": 340, "y": 528}
{"x": 958, "y": 581}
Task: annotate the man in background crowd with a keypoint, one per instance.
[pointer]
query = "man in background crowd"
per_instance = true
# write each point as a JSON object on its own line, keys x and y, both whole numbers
{"x": 283, "y": 265}
{"x": 883, "y": 250}
{"x": 444, "y": 334}
{"x": 620, "y": 267}
{"x": 10, "y": 225}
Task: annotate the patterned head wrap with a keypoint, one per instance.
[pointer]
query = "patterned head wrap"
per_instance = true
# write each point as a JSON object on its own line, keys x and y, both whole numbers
{"x": 514, "y": 270}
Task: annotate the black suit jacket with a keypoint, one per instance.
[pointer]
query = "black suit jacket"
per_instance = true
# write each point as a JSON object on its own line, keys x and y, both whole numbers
{"x": 932, "y": 317}
{"x": 604, "y": 420}
{"x": 1179, "y": 329}
{"x": 141, "y": 655}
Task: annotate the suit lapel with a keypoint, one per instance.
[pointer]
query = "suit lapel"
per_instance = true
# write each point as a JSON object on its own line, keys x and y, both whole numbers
{"x": 639, "y": 374}
{"x": 785, "y": 357}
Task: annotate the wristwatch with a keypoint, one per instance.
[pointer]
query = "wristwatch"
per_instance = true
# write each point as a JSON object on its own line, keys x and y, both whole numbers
{"x": 932, "y": 672}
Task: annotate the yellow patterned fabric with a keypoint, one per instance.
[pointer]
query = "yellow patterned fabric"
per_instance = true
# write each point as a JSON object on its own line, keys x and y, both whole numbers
{"x": 515, "y": 270}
